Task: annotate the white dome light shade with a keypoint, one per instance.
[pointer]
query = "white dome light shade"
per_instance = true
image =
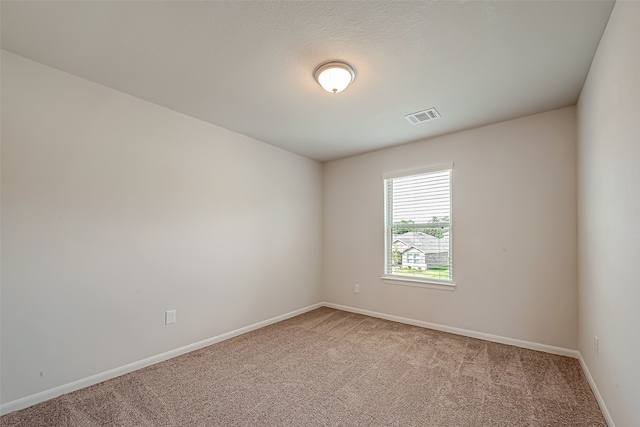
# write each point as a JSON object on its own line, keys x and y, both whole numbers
{"x": 334, "y": 76}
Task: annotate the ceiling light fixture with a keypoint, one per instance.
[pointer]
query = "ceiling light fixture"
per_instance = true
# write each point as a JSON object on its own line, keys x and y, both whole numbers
{"x": 334, "y": 76}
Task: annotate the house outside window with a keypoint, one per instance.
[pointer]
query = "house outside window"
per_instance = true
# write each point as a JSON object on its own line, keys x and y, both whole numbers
{"x": 418, "y": 226}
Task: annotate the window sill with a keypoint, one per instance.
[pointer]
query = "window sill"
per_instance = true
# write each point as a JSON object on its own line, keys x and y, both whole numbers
{"x": 418, "y": 283}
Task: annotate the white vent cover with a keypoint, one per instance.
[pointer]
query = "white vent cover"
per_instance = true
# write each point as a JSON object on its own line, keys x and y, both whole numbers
{"x": 422, "y": 116}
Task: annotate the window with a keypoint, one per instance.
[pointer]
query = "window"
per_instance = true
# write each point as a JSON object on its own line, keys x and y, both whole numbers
{"x": 413, "y": 258}
{"x": 418, "y": 227}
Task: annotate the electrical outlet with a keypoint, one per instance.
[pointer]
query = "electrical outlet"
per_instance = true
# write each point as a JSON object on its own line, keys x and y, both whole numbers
{"x": 169, "y": 317}
{"x": 595, "y": 344}
{"x": 356, "y": 288}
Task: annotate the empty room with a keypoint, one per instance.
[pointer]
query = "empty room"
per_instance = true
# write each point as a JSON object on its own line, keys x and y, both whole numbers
{"x": 320, "y": 213}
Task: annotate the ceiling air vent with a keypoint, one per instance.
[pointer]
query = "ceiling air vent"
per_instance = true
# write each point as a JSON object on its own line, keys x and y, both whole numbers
{"x": 422, "y": 116}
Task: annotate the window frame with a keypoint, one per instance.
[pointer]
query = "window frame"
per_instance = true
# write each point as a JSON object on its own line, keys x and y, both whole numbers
{"x": 396, "y": 279}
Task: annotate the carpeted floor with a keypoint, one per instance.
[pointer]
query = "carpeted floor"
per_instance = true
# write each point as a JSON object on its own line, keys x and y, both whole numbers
{"x": 333, "y": 368}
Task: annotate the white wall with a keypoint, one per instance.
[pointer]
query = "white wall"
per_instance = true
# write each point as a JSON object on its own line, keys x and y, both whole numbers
{"x": 115, "y": 210}
{"x": 609, "y": 215}
{"x": 514, "y": 230}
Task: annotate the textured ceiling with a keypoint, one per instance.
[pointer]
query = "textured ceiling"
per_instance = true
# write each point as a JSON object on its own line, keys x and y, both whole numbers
{"x": 247, "y": 66}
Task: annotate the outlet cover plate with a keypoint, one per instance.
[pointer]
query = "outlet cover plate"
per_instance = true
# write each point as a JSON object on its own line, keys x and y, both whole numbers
{"x": 169, "y": 317}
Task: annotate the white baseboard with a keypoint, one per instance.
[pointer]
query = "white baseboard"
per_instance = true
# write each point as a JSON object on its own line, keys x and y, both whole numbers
{"x": 596, "y": 393}
{"x": 465, "y": 332}
{"x": 113, "y": 373}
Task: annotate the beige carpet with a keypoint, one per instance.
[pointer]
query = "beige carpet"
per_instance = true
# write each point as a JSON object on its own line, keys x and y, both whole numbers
{"x": 333, "y": 368}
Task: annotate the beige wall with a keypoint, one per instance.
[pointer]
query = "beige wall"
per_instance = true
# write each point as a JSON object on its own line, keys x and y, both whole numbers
{"x": 609, "y": 215}
{"x": 514, "y": 232}
{"x": 115, "y": 210}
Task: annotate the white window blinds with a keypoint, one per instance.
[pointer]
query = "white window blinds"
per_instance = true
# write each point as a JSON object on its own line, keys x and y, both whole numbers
{"x": 418, "y": 225}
